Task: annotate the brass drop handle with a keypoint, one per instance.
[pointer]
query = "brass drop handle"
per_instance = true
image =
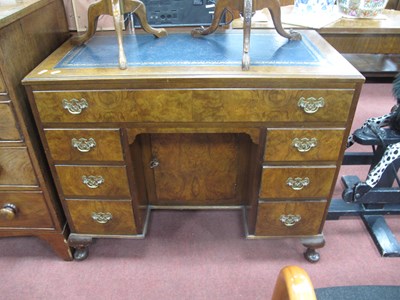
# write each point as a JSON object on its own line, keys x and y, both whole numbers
{"x": 8, "y": 211}
{"x": 304, "y": 144}
{"x": 101, "y": 217}
{"x": 75, "y": 106}
{"x": 290, "y": 220}
{"x": 298, "y": 183}
{"x": 83, "y": 145}
{"x": 311, "y": 105}
{"x": 92, "y": 182}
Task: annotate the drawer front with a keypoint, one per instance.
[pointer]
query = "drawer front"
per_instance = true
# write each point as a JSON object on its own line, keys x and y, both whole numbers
{"x": 16, "y": 167}
{"x": 303, "y": 145}
{"x": 8, "y": 124}
{"x": 24, "y": 210}
{"x": 114, "y": 106}
{"x": 102, "y": 181}
{"x": 290, "y": 218}
{"x": 101, "y": 217}
{"x": 84, "y": 145}
{"x": 280, "y": 105}
{"x": 296, "y": 182}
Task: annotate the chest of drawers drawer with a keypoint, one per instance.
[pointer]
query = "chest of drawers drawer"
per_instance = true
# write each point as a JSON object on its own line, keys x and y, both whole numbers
{"x": 100, "y": 181}
{"x": 290, "y": 218}
{"x": 255, "y": 105}
{"x": 16, "y": 167}
{"x": 303, "y": 144}
{"x": 84, "y": 145}
{"x": 8, "y": 124}
{"x": 24, "y": 209}
{"x": 296, "y": 182}
{"x": 101, "y": 217}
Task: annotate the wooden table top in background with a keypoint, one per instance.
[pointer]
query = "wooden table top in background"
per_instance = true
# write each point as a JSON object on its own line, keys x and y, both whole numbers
{"x": 387, "y": 22}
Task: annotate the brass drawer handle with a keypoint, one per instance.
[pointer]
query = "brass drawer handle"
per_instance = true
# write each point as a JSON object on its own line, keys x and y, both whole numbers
{"x": 83, "y": 145}
{"x": 290, "y": 220}
{"x": 304, "y": 144}
{"x": 298, "y": 183}
{"x": 311, "y": 105}
{"x": 92, "y": 182}
{"x": 8, "y": 211}
{"x": 75, "y": 106}
{"x": 101, "y": 217}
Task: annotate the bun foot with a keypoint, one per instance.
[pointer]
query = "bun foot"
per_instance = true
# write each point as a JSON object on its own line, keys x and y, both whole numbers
{"x": 311, "y": 255}
{"x": 80, "y": 244}
{"x": 81, "y": 254}
{"x": 312, "y": 243}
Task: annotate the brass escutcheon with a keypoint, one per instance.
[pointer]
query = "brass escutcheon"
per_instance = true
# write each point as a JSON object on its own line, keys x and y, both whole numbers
{"x": 304, "y": 144}
{"x": 298, "y": 183}
{"x": 75, "y": 106}
{"x": 83, "y": 145}
{"x": 92, "y": 182}
{"x": 290, "y": 220}
{"x": 101, "y": 217}
{"x": 311, "y": 105}
{"x": 154, "y": 163}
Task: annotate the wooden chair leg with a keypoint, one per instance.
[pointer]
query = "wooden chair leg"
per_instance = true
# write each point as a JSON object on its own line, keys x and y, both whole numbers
{"x": 220, "y": 8}
{"x": 274, "y": 8}
{"x": 118, "y": 24}
{"x": 139, "y": 9}
{"x": 94, "y": 12}
{"x": 247, "y": 12}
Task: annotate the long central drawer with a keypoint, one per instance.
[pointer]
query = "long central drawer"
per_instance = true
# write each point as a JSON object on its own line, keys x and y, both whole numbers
{"x": 262, "y": 105}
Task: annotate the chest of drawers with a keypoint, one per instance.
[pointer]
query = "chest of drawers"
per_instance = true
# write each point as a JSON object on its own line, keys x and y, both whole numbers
{"x": 194, "y": 131}
{"x": 29, "y": 203}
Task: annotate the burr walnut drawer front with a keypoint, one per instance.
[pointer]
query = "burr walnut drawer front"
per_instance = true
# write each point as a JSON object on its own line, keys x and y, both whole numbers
{"x": 252, "y": 105}
{"x": 8, "y": 124}
{"x": 296, "y": 182}
{"x": 84, "y": 144}
{"x": 289, "y": 218}
{"x": 24, "y": 209}
{"x": 102, "y": 216}
{"x": 16, "y": 168}
{"x": 99, "y": 181}
{"x": 303, "y": 144}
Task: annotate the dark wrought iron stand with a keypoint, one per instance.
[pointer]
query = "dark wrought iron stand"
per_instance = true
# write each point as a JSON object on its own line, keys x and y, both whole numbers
{"x": 371, "y": 204}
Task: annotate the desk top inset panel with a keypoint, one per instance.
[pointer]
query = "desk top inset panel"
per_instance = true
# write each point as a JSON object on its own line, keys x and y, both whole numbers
{"x": 220, "y": 49}
{"x": 210, "y": 61}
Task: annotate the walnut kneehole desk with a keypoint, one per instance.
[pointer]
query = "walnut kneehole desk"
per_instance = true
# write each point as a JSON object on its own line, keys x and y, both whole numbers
{"x": 190, "y": 129}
